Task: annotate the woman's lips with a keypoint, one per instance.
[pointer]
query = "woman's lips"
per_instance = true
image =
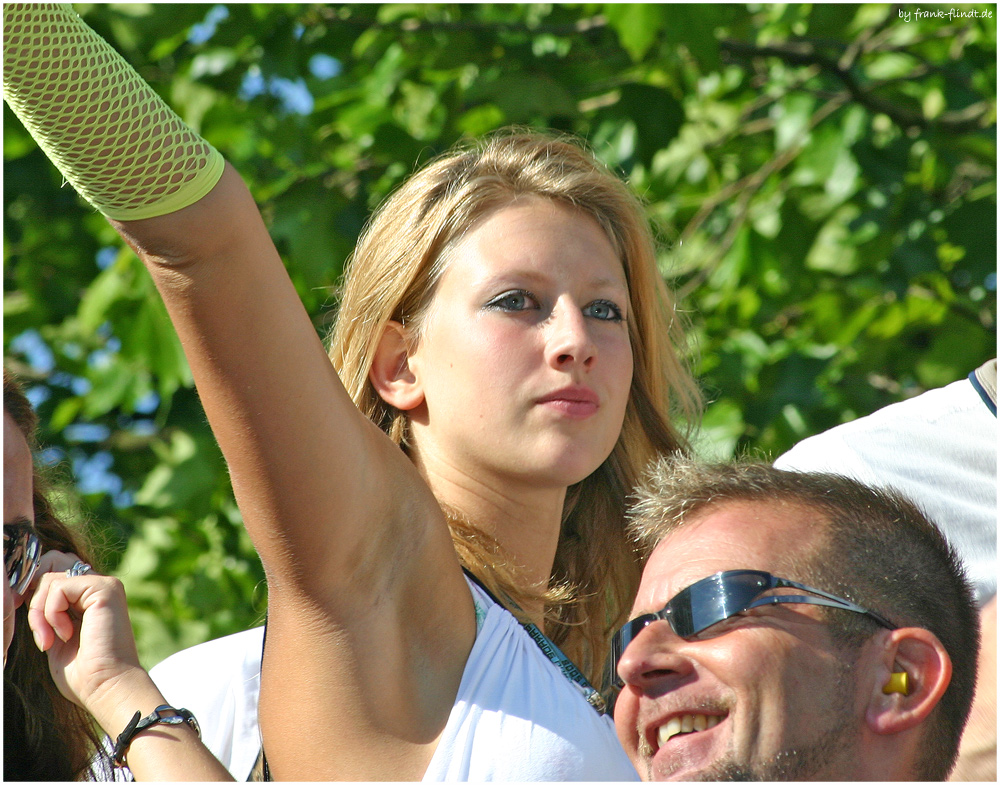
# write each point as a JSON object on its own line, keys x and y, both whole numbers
{"x": 575, "y": 402}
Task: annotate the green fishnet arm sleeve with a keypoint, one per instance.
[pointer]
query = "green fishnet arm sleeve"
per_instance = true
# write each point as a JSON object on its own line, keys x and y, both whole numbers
{"x": 120, "y": 146}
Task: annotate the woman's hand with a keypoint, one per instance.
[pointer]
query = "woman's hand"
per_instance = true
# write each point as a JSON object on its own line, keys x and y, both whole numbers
{"x": 82, "y": 622}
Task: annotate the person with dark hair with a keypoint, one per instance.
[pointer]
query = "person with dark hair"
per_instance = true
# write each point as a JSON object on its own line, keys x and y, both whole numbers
{"x": 816, "y": 629}
{"x": 69, "y": 653}
{"x": 46, "y": 736}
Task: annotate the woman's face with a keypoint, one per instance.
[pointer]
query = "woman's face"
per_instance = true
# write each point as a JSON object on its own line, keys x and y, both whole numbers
{"x": 18, "y": 507}
{"x": 524, "y": 360}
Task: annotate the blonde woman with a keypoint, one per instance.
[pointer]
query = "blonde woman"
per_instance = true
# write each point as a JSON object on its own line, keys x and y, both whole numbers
{"x": 503, "y": 322}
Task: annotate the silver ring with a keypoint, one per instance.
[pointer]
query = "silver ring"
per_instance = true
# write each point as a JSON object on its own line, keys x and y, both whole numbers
{"x": 80, "y": 568}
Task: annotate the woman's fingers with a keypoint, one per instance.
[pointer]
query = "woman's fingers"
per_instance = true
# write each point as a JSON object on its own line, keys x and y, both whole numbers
{"x": 49, "y": 617}
{"x": 40, "y": 628}
{"x": 55, "y": 561}
{"x": 89, "y": 614}
{"x": 63, "y": 593}
{"x": 57, "y": 595}
{"x": 47, "y": 613}
{"x": 51, "y": 561}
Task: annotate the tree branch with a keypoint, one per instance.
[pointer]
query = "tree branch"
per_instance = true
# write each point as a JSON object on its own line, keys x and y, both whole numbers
{"x": 971, "y": 118}
{"x": 591, "y": 24}
{"x": 746, "y": 188}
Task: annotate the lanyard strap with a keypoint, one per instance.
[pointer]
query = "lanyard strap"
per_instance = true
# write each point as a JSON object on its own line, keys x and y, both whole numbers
{"x": 554, "y": 654}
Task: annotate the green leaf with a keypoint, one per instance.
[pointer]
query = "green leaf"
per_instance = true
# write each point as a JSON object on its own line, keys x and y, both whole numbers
{"x": 106, "y": 290}
{"x": 481, "y": 119}
{"x": 110, "y": 388}
{"x": 791, "y": 118}
{"x": 637, "y": 25}
{"x": 933, "y": 103}
{"x": 693, "y": 27}
{"x": 185, "y": 481}
{"x": 721, "y": 429}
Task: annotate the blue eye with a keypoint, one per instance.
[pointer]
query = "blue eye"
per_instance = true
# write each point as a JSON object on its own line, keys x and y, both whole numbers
{"x": 517, "y": 300}
{"x": 605, "y": 310}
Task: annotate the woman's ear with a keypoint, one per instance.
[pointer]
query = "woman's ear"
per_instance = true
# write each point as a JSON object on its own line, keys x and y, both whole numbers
{"x": 390, "y": 373}
{"x": 893, "y": 708}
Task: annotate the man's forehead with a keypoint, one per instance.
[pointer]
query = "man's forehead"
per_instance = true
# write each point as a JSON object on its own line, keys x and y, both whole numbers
{"x": 728, "y": 535}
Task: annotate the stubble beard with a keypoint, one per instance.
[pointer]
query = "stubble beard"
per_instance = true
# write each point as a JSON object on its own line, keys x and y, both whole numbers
{"x": 818, "y": 759}
{"x": 810, "y": 761}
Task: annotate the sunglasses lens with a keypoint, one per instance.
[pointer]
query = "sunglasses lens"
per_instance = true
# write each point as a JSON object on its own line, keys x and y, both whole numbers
{"x": 695, "y": 609}
{"x": 21, "y": 552}
{"x": 715, "y": 599}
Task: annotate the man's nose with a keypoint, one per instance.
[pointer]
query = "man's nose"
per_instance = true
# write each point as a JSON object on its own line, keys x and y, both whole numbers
{"x": 652, "y": 657}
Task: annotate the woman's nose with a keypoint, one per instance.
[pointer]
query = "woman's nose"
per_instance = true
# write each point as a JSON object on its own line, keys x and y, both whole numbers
{"x": 571, "y": 342}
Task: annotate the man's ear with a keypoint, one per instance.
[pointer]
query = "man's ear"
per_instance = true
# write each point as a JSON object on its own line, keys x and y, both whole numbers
{"x": 923, "y": 658}
{"x": 390, "y": 373}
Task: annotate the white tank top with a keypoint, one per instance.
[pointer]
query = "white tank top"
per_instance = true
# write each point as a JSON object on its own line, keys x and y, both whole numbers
{"x": 516, "y": 716}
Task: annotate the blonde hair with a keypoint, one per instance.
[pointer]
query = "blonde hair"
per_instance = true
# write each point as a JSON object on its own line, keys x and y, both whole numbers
{"x": 392, "y": 275}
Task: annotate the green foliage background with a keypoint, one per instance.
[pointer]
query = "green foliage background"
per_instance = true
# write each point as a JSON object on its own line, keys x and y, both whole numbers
{"x": 823, "y": 177}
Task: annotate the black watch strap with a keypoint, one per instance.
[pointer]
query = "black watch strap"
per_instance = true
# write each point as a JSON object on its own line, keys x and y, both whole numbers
{"x": 161, "y": 715}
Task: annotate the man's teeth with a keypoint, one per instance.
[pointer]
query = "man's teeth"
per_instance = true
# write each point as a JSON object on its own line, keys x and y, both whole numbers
{"x": 686, "y": 724}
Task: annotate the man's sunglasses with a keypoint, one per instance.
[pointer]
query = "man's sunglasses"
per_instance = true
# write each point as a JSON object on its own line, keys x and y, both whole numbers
{"x": 21, "y": 552}
{"x": 719, "y": 597}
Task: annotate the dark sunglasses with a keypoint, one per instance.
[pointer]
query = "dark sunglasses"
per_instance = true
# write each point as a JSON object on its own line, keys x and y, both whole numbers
{"x": 719, "y": 597}
{"x": 21, "y": 552}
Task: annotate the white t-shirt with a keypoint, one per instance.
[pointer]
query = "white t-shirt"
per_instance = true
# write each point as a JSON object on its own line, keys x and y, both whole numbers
{"x": 516, "y": 716}
{"x": 939, "y": 449}
{"x": 219, "y": 682}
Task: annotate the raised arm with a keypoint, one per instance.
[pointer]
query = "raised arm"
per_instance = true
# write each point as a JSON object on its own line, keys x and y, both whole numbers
{"x": 340, "y": 517}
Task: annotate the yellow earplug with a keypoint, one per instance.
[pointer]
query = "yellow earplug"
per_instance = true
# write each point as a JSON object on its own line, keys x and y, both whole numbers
{"x": 898, "y": 682}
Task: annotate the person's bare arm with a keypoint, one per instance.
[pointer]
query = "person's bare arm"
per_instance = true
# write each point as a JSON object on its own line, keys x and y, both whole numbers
{"x": 365, "y": 592}
{"x": 313, "y": 476}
